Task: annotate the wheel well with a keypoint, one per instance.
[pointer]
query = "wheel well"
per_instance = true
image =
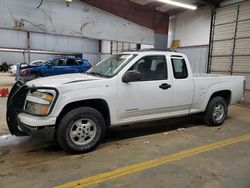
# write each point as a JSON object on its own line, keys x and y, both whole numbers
{"x": 226, "y": 94}
{"x": 98, "y": 104}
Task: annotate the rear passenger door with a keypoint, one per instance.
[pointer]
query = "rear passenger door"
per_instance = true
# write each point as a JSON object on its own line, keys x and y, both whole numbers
{"x": 183, "y": 86}
{"x": 150, "y": 97}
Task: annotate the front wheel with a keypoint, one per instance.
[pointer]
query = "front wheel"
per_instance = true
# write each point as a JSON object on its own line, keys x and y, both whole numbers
{"x": 81, "y": 130}
{"x": 216, "y": 111}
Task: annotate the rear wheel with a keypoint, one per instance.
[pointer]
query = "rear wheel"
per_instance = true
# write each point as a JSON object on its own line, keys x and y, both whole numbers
{"x": 216, "y": 111}
{"x": 81, "y": 130}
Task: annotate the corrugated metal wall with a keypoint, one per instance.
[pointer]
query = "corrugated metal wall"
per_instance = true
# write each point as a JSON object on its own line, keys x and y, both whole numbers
{"x": 13, "y": 38}
{"x": 44, "y": 42}
{"x": 48, "y": 42}
{"x": 11, "y": 57}
{"x": 230, "y": 47}
{"x": 198, "y": 57}
{"x": 63, "y": 43}
{"x": 17, "y": 57}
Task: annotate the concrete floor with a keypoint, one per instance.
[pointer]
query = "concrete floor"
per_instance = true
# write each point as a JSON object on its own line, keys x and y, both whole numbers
{"x": 30, "y": 162}
{"x": 6, "y": 79}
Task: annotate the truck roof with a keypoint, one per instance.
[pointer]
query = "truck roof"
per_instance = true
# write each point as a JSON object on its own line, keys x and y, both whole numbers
{"x": 154, "y": 51}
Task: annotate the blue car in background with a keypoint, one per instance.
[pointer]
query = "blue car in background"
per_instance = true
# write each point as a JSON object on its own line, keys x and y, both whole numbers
{"x": 52, "y": 67}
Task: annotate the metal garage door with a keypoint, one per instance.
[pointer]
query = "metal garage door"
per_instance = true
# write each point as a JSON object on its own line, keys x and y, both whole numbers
{"x": 230, "y": 41}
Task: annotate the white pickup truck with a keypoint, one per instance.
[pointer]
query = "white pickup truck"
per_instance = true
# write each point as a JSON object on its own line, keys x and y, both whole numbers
{"x": 124, "y": 88}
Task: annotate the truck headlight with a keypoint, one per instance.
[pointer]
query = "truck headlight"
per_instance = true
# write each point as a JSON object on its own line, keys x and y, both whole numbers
{"x": 39, "y": 102}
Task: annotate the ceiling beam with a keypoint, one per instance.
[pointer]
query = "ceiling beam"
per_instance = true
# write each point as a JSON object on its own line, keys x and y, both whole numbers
{"x": 142, "y": 15}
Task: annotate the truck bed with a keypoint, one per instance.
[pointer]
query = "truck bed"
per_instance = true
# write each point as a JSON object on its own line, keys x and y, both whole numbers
{"x": 210, "y": 83}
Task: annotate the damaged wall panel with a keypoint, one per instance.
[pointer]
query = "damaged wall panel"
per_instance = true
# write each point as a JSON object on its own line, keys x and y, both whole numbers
{"x": 79, "y": 20}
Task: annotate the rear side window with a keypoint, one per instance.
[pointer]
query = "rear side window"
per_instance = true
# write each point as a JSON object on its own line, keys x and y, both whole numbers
{"x": 71, "y": 62}
{"x": 179, "y": 67}
{"x": 61, "y": 62}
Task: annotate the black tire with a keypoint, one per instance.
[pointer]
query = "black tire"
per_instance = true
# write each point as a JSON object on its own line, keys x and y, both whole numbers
{"x": 209, "y": 117}
{"x": 69, "y": 120}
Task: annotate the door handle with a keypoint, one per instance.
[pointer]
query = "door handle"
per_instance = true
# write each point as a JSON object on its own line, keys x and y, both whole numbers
{"x": 165, "y": 86}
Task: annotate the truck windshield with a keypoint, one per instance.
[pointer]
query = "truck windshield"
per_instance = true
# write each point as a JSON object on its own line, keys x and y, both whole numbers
{"x": 111, "y": 65}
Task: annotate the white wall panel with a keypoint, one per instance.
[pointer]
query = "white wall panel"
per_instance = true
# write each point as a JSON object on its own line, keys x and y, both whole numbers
{"x": 12, "y": 39}
{"x": 63, "y": 43}
{"x": 191, "y": 27}
{"x": 79, "y": 19}
{"x": 16, "y": 57}
{"x": 106, "y": 46}
{"x": 198, "y": 57}
{"x": 34, "y": 57}
{"x": 11, "y": 57}
{"x": 94, "y": 58}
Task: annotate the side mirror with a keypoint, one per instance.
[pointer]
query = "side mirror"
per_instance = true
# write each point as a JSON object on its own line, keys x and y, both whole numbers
{"x": 131, "y": 76}
{"x": 49, "y": 65}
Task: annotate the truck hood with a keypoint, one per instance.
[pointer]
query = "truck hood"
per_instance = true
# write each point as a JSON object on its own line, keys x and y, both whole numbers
{"x": 55, "y": 81}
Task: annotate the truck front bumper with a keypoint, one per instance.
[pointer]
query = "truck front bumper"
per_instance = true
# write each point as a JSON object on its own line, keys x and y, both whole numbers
{"x": 44, "y": 127}
{"x": 35, "y": 121}
{"x": 45, "y": 132}
{"x": 22, "y": 124}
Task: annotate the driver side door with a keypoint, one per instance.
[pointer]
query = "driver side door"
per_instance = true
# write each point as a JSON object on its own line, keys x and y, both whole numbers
{"x": 148, "y": 98}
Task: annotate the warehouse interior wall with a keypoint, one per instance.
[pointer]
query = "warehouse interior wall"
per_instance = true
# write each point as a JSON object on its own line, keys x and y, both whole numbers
{"x": 57, "y": 28}
{"x": 198, "y": 57}
{"x": 161, "y": 41}
{"x": 77, "y": 20}
{"x": 192, "y": 28}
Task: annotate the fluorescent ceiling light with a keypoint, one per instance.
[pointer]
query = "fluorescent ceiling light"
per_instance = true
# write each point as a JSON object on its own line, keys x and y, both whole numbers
{"x": 179, "y": 4}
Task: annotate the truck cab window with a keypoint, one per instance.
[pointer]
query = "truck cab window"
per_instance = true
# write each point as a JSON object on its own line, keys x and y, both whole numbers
{"x": 151, "y": 68}
{"x": 179, "y": 67}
